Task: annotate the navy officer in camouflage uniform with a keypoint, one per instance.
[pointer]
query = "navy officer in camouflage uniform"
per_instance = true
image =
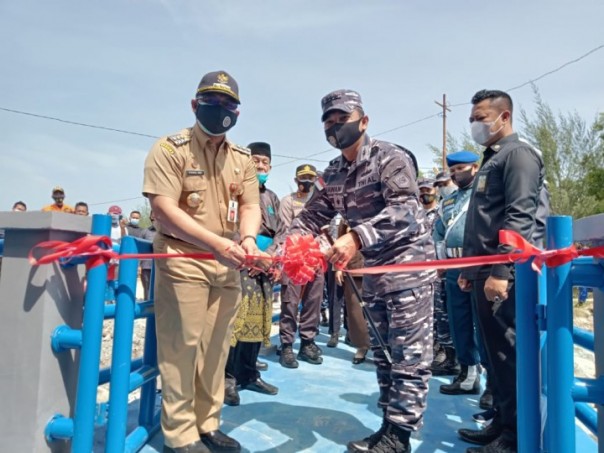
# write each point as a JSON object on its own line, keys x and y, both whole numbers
{"x": 373, "y": 186}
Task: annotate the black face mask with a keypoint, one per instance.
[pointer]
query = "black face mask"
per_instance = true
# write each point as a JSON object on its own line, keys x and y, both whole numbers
{"x": 342, "y": 135}
{"x": 306, "y": 185}
{"x": 427, "y": 198}
{"x": 463, "y": 178}
{"x": 215, "y": 119}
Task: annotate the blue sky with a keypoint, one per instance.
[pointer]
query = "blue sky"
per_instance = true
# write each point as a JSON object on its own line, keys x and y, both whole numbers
{"x": 135, "y": 65}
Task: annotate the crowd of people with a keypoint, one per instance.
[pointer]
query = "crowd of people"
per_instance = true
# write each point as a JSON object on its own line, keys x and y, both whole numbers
{"x": 367, "y": 208}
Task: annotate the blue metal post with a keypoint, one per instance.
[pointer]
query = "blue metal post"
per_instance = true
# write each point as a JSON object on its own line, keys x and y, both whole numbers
{"x": 527, "y": 345}
{"x": 146, "y": 415}
{"x": 560, "y": 360}
{"x": 92, "y": 331}
{"x": 122, "y": 351}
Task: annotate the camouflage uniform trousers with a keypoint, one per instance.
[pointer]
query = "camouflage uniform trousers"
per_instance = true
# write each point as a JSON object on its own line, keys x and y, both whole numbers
{"x": 404, "y": 320}
{"x": 442, "y": 330}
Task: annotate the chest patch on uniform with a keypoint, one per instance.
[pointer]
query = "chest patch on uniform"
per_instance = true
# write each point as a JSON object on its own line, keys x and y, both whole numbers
{"x": 481, "y": 184}
{"x": 167, "y": 148}
{"x": 195, "y": 172}
{"x": 270, "y": 210}
{"x": 449, "y": 202}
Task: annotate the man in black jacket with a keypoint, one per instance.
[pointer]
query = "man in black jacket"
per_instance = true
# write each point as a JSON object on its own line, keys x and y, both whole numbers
{"x": 505, "y": 195}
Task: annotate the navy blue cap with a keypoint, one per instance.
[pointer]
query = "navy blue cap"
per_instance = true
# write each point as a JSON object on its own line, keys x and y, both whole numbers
{"x": 344, "y": 100}
{"x": 461, "y": 157}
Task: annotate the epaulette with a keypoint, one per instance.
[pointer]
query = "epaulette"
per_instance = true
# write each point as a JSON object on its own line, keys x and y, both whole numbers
{"x": 334, "y": 161}
{"x": 242, "y": 149}
{"x": 179, "y": 139}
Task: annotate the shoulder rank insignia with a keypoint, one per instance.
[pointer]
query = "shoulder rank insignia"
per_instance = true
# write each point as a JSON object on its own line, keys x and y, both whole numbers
{"x": 179, "y": 139}
{"x": 241, "y": 149}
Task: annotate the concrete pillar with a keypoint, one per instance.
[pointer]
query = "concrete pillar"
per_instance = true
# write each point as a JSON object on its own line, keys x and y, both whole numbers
{"x": 34, "y": 382}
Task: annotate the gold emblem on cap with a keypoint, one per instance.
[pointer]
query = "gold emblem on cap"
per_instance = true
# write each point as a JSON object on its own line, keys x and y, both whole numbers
{"x": 307, "y": 168}
{"x": 193, "y": 200}
{"x": 222, "y": 78}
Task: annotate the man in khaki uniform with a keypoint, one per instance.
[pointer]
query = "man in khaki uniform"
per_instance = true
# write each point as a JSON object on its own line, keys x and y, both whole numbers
{"x": 203, "y": 190}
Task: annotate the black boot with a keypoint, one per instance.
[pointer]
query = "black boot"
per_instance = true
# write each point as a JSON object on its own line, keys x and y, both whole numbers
{"x": 450, "y": 367}
{"x": 394, "y": 439}
{"x": 438, "y": 354}
{"x": 467, "y": 382}
{"x": 486, "y": 399}
{"x": 287, "y": 357}
{"x": 368, "y": 442}
{"x": 310, "y": 352}
{"x": 231, "y": 395}
{"x": 333, "y": 340}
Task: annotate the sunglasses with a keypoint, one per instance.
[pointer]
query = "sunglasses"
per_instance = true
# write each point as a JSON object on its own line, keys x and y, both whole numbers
{"x": 217, "y": 100}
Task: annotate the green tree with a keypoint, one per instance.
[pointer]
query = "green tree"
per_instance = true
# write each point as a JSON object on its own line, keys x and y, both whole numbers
{"x": 145, "y": 210}
{"x": 454, "y": 144}
{"x": 570, "y": 150}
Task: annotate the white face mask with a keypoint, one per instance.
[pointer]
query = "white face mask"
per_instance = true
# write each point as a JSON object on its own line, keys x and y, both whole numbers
{"x": 445, "y": 191}
{"x": 481, "y": 132}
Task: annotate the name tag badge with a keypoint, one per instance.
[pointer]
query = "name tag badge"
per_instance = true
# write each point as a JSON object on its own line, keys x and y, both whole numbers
{"x": 481, "y": 184}
{"x": 195, "y": 172}
{"x": 233, "y": 211}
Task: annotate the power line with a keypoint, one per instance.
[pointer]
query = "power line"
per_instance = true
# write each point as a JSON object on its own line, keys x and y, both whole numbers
{"x": 545, "y": 74}
{"x": 309, "y": 157}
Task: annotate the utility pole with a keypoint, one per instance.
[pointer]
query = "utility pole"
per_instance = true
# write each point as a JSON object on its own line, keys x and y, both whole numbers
{"x": 445, "y": 109}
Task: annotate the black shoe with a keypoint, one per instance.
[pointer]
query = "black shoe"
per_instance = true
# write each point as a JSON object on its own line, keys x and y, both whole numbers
{"x": 484, "y": 417}
{"x": 392, "y": 440}
{"x": 359, "y": 356}
{"x": 324, "y": 321}
{"x": 449, "y": 367}
{"x": 368, "y": 442}
{"x": 231, "y": 395}
{"x": 261, "y": 387}
{"x": 287, "y": 357}
{"x": 333, "y": 340}
{"x": 218, "y": 441}
{"x": 467, "y": 382}
{"x": 499, "y": 445}
{"x": 480, "y": 436}
{"x": 195, "y": 447}
{"x": 261, "y": 366}
{"x": 309, "y": 352}
{"x": 347, "y": 340}
{"x": 486, "y": 399}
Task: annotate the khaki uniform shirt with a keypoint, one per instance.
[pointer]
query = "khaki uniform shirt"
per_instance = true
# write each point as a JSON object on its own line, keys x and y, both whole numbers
{"x": 188, "y": 168}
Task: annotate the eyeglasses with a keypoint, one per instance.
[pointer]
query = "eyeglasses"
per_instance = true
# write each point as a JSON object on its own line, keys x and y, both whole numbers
{"x": 217, "y": 100}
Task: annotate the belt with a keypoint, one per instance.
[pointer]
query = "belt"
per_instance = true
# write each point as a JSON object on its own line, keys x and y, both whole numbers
{"x": 454, "y": 252}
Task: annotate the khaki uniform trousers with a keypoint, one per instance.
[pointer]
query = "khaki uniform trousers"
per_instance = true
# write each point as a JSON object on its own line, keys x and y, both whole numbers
{"x": 195, "y": 306}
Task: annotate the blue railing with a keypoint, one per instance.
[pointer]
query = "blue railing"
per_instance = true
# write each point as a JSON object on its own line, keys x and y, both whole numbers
{"x": 125, "y": 375}
{"x": 549, "y": 395}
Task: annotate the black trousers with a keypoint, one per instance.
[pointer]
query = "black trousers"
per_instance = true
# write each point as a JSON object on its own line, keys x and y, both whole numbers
{"x": 241, "y": 363}
{"x": 498, "y": 329}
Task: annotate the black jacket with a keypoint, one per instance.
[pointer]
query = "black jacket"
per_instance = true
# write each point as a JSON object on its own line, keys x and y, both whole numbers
{"x": 505, "y": 195}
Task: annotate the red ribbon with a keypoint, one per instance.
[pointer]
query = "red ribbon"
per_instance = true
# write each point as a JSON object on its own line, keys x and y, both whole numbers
{"x": 302, "y": 257}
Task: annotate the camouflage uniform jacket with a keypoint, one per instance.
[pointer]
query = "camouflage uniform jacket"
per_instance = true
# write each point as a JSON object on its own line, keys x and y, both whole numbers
{"x": 377, "y": 195}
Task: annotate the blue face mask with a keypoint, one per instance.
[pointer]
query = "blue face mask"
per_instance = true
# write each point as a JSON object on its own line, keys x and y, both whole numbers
{"x": 262, "y": 177}
{"x": 134, "y": 222}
